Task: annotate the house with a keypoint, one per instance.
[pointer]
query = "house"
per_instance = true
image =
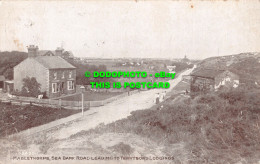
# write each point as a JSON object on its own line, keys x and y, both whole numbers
{"x": 211, "y": 79}
{"x": 56, "y": 76}
{"x": 58, "y": 52}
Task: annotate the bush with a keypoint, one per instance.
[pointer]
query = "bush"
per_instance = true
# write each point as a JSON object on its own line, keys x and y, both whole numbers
{"x": 206, "y": 98}
{"x": 122, "y": 148}
{"x": 31, "y": 88}
{"x": 220, "y": 127}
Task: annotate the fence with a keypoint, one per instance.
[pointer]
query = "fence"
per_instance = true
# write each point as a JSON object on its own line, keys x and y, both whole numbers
{"x": 63, "y": 103}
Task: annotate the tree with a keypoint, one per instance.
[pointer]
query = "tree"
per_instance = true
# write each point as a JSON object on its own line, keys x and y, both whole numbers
{"x": 31, "y": 88}
{"x": 9, "y": 73}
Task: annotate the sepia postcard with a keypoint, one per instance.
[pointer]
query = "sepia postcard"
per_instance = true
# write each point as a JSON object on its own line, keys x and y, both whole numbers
{"x": 130, "y": 81}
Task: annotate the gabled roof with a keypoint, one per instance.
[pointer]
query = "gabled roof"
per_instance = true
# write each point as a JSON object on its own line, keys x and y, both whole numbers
{"x": 53, "y": 62}
{"x": 44, "y": 52}
{"x": 207, "y": 73}
{"x": 67, "y": 53}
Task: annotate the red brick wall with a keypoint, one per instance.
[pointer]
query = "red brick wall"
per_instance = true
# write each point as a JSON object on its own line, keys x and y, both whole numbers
{"x": 61, "y": 80}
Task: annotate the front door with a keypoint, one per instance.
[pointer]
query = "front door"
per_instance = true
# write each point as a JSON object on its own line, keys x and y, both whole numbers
{"x": 62, "y": 87}
{"x": 8, "y": 89}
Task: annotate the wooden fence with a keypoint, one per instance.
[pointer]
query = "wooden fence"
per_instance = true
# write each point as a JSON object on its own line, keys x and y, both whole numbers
{"x": 64, "y": 103}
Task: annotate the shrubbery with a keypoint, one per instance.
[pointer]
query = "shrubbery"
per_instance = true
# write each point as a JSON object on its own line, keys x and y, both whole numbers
{"x": 221, "y": 127}
{"x": 122, "y": 148}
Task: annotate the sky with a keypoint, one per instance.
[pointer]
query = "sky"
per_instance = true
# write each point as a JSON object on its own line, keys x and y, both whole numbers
{"x": 118, "y": 29}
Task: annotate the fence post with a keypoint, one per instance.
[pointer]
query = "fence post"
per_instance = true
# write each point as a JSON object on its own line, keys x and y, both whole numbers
{"x": 59, "y": 103}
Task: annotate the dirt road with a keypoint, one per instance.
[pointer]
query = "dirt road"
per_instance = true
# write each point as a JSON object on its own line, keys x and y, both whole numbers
{"x": 111, "y": 112}
{"x": 56, "y": 141}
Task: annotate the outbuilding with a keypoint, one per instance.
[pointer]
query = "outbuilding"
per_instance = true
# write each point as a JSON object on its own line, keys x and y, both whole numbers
{"x": 212, "y": 79}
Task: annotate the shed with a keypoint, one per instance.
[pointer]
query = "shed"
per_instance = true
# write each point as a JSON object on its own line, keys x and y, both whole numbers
{"x": 212, "y": 79}
{"x": 8, "y": 86}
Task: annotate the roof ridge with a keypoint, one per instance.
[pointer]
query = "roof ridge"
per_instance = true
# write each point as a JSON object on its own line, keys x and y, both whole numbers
{"x": 53, "y": 62}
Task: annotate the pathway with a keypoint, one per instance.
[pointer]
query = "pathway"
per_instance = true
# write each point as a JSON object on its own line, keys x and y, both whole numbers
{"x": 113, "y": 111}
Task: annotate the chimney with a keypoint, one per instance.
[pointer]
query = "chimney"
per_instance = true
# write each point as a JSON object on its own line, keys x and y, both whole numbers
{"x": 59, "y": 51}
{"x": 32, "y": 51}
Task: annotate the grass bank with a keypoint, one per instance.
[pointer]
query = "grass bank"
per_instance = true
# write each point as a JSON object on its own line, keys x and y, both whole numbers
{"x": 219, "y": 127}
{"x": 16, "y": 118}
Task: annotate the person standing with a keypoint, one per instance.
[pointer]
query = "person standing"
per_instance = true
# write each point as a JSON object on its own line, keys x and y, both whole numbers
{"x": 164, "y": 94}
{"x": 157, "y": 98}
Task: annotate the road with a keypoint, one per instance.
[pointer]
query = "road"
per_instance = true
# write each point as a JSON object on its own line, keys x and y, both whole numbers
{"x": 113, "y": 111}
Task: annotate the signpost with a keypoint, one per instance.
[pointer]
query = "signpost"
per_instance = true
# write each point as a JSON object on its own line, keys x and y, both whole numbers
{"x": 82, "y": 88}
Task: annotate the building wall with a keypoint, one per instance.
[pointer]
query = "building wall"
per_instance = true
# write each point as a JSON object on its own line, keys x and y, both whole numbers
{"x": 31, "y": 68}
{"x": 61, "y": 81}
{"x": 201, "y": 84}
{"x": 186, "y": 78}
{"x": 227, "y": 79}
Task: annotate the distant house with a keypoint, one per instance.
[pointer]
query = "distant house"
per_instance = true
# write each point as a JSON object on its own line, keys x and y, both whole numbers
{"x": 67, "y": 55}
{"x": 171, "y": 68}
{"x": 56, "y": 76}
{"x": 45, "y": 53}
{"x": 210, "y": 79}
{"x": 151, "y": 67}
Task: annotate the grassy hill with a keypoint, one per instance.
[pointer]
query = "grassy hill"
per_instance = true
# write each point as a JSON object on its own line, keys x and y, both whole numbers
{"x": 222, "y": 127}
{"x": 223, "y": 62}
{"x": 218, "y": 127}
{"x": 246, "y": 65}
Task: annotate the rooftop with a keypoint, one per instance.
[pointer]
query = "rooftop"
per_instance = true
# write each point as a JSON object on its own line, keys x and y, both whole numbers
{"x": 208, "y": 73}
{"x": 53, "y": 62}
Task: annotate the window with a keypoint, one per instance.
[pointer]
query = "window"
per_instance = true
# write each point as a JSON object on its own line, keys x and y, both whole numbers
{"x": 70, "y": 85}
{"x": 58, "y": 87}
{"x": 55, "y": 75}
{"x": 63, "y": 75}
{"x": 70, "y": 74}
{"x": 54, "y": 88}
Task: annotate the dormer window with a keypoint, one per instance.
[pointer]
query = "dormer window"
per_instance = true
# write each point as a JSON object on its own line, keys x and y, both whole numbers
{"x": 63, "y": 75}
{"x": 55, "y": 75}
{"x": 70, "y": 74}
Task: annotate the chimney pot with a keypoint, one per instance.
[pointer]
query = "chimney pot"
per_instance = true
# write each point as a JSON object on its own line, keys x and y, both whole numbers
{"x": 32, "y": 51}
